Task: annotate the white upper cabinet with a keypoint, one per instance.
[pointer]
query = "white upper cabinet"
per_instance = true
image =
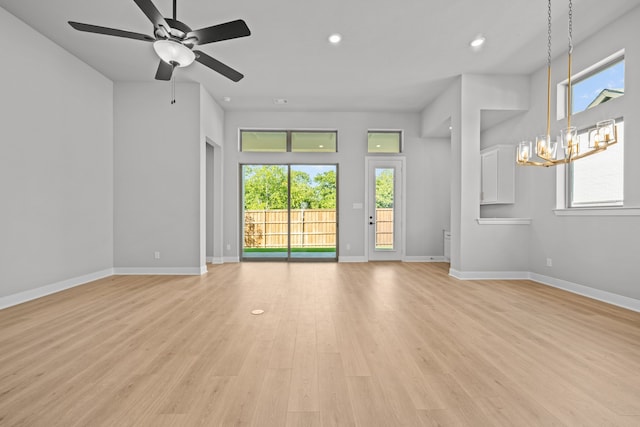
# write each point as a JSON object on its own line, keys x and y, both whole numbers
{"x": 498, "y": 175}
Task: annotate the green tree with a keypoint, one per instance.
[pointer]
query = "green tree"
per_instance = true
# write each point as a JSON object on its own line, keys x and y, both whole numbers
{"x": 301, "y": 190}
{"x": 265, "y": 187}
{"x": 325, "y": 190}
{"x": 384, "y": 189}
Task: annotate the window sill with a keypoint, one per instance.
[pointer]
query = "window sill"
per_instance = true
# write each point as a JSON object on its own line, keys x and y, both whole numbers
{"x": 598, "y": 212}
{"x": 504, "y": 221}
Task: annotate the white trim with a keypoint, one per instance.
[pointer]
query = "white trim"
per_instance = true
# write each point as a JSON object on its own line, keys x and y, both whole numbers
{"x": 203, "y": 270}
{"x": 621, "y": 211}
{"x": 158, "y": 271}
{"x": 433, "y": 258}
{"x": 352, "y": 259}
{"x": 489, "y": 275}
{"x": 31, "y": 294}
{"x": 368, "y": 160}
{"x": 597, "y": 294}
{"x": 504, "y": 221}
{"x": 586, "y": 291}
{"x": 230, "y": 259}
{"x": 215, "y": 260}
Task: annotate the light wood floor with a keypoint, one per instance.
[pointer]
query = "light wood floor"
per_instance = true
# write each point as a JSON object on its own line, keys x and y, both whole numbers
{"x": 380, "y": 344}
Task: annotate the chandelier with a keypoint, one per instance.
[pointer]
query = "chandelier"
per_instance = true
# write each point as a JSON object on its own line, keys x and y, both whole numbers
{"x": 546, "y": 151}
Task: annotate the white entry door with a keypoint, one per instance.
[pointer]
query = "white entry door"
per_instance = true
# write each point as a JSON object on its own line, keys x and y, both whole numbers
{"x": 385, "y": 200}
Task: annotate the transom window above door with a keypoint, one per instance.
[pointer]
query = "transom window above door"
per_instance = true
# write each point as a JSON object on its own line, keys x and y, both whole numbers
{"x": 384, "y": 141}
{"x": 304, "y": 141}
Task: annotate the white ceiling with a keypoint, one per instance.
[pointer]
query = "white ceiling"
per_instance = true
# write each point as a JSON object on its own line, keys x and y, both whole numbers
{"x": 395, "y": 55}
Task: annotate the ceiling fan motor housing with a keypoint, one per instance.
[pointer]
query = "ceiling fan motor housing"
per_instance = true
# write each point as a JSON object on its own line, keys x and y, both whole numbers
{"x": 178, "y": 31}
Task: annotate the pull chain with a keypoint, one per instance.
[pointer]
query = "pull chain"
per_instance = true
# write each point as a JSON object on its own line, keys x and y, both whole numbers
{"x": 173, "y": 88}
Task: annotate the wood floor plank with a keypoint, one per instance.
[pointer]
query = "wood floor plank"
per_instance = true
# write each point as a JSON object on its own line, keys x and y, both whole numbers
{"x": 368, "y": 344}
{"x": 335, "y": 404}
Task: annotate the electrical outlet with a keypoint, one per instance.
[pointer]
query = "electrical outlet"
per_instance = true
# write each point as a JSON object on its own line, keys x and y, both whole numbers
{"x": 348, "y": 246}
{"x": 228, "y": 246}
{"x": 156, "y": 255}
{"x": 549, "y": 262}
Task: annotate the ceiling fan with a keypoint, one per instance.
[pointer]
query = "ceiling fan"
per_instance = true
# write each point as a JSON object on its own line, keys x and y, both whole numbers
{"x": 174, "y": 41}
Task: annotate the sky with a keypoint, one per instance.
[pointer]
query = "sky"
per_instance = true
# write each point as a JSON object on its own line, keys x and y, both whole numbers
{"x": 313, "y": 170}
{"x": 586, "y": 90}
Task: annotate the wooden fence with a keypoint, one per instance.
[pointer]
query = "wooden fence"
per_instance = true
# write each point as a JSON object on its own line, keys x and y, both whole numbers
{"x": 310, "y": 228}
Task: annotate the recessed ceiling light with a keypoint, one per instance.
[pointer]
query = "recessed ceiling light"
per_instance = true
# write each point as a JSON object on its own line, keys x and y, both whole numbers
{"x": 320, "y": 146}
{"x": 227, "y": 99}
{"x": 377, "y": 145}
{"x": 335, "y": 38}
{"x": 279, "y": 101}
{"x": 450, "y": 127}
{"x": 478, "y": 41}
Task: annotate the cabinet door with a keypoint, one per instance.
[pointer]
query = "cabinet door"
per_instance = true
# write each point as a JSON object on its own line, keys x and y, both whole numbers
{"x": 489, "y": 186}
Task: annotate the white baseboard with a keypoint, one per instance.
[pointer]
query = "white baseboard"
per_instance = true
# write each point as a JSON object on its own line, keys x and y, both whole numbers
{"x": 158, "y": 271}
{"x": 42, "y": 291}
{"x": 489, "y": 275}
{"x": 432, "y": 258}
{"x": 231, "y": 259}
{"x": 203, "y": 270}
{"x": 352, "y": 259}
{"x": 597, "y": 294}
{"x": 215, "y": 260}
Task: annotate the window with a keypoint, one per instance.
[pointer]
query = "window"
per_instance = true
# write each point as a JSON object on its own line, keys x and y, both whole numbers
{"x": 597, "y": 85}
{"x": 289, "y": 141}
{"x": 263, "y": 141}
{"x": 314, "y": 142}
{"x": 384, "y": 141}
{"x": 598, "y": 180}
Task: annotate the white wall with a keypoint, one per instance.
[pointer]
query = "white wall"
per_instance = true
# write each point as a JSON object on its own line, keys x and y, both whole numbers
{"x": 211, "y": 137}
{"x": 210, "y": 182}
{"x": 427, "y": 174}
{"x": 56, "y": 163}
{"x": 601, "y": 252}
{"x": 158, "y": 177}
{"x": 475, "y": 247}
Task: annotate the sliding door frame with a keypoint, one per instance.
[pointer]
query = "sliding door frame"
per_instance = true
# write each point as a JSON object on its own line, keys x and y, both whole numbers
{"x": 287, "y": 258}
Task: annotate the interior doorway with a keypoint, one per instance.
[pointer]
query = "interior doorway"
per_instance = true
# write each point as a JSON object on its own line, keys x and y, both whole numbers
{"x": 289, "y": 212}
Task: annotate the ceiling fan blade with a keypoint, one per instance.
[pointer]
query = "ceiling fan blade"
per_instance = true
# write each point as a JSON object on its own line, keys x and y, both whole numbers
{"x": 110, "y": 31}
{"x": 152, "y": 13}
{"x": 164, "y": 71}
{"x": 216, "y": 33}
{"x": 218, "y": 66}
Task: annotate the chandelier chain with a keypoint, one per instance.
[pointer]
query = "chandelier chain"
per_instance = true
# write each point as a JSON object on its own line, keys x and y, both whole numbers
{"x": 570, "y": 26}
{"x": 549, "y": 34}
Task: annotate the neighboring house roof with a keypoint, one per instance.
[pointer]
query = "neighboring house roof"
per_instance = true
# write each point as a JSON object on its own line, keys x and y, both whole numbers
{"x": 604, "y": 96}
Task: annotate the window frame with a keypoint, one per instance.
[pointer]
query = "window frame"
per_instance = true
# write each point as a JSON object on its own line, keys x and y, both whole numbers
{"x": 563, "y": 87}
{"x": 569, "y": 181}
{"x": 289, "y": 136}
{"x": 400, "y": 133}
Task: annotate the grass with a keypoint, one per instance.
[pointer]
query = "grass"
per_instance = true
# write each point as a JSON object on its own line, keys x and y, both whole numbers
{"x": 284, "y": 250}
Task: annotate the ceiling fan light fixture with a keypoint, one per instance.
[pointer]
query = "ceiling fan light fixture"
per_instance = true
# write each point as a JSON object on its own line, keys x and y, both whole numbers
{"x": 173, "y": 52}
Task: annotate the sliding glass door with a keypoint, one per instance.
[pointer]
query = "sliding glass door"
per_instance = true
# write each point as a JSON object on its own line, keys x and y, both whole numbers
{"x": 289, "y": 212}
